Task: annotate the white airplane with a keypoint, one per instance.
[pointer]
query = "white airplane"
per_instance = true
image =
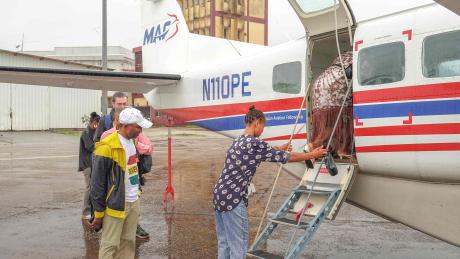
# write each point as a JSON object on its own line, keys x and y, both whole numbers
{"x": 406, "y": 103}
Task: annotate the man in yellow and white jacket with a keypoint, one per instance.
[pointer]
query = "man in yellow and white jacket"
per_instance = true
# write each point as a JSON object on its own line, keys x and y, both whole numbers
{"x": 115, "y": 187}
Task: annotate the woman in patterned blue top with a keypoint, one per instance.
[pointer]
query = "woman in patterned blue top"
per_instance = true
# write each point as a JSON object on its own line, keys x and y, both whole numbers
{"x": 230, "y": 194}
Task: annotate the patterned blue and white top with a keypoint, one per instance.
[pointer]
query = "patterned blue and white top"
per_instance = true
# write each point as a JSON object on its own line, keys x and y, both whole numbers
{"x": 243, "y": 158}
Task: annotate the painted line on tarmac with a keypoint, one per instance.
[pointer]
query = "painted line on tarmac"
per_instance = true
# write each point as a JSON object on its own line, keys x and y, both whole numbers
{"x": 36, "y": 157}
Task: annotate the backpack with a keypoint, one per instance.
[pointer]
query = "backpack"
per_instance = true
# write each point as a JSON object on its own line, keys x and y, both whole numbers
{"x": 144, "y": 164}
{"x": 107, "y": 121}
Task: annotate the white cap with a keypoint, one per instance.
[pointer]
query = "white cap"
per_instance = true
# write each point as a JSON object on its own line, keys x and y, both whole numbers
{"x": 134, "y": 116}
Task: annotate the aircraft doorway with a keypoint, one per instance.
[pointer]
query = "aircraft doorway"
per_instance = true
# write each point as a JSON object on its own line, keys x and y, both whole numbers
{"x": 327, "y": 88}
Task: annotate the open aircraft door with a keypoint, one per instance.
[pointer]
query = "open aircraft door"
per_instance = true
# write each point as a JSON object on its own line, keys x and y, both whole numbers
{"x": 317, "y": 16}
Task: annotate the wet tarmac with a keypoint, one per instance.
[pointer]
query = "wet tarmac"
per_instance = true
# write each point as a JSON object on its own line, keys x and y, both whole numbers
{"x": 41, "y": 200}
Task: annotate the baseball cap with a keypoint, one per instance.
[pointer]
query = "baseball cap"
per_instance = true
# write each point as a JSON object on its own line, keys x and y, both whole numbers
{"x": 134, "y": 116}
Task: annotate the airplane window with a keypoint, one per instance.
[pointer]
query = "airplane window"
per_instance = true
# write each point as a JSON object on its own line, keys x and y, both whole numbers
{"x": 441, "y": 55}
{"x": 310, "y": 6}
{"x": 382, "y": 64}
{"x": 287, "y": 77}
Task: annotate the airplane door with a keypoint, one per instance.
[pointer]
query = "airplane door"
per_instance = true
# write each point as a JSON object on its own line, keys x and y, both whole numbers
{"x": 317, "y": 16}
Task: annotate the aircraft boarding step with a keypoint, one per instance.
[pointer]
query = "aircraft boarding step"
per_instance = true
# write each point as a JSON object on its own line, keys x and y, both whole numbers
{"x": 325, "y": 200}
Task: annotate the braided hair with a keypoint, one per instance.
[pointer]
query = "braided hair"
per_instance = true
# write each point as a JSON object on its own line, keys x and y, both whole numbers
{"x": 254, "y": 115}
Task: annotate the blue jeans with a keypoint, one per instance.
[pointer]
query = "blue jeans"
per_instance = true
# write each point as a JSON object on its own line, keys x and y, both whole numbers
{"x": 232, "y": 232}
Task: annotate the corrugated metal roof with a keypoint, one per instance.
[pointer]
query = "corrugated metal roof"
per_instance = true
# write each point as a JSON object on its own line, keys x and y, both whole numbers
{"x": 14, "y": 53}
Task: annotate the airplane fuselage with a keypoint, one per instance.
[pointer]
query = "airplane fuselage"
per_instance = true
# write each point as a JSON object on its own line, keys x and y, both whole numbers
{"x": 407, "y": 122}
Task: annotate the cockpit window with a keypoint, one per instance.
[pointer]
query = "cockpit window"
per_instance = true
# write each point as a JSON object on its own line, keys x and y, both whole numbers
{"x": 287, "y": 78}
{"x": 441, "y": 55}
{"x": 382, "y": 64}
{"x": 311, "y": 6}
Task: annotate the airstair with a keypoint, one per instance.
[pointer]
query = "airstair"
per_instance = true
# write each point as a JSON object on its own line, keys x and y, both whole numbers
{"x": 318, "y": 197}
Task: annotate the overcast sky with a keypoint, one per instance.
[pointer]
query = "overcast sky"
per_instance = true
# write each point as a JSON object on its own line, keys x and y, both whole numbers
{"x": 50, "y": 23}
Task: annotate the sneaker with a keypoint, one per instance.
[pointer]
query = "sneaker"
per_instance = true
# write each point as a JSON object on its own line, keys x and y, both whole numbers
{"x": 141, "y": 233}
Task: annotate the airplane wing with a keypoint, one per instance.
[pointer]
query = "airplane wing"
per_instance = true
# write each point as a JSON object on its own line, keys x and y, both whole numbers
{"x": 87, "y": 79}
{"x": 453, "y": 5}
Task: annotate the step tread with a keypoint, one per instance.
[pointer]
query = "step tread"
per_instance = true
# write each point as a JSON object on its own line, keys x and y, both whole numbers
{"x": 305, "y": 190}
{"x": 263, "y": 254}
{"x": 290, "y": 222}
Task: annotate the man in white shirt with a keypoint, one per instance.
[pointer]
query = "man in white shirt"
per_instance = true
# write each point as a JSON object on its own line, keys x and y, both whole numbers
{"x": 115, "y": 187}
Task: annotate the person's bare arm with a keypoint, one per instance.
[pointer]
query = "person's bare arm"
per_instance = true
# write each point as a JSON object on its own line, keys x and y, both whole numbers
{"x": 316, "y": 153}
{"x": 284, "y": 147}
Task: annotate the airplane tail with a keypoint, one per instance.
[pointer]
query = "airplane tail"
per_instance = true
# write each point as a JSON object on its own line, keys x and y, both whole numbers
{"x": 169, "y": 48}
{"x": 165, "y": 39}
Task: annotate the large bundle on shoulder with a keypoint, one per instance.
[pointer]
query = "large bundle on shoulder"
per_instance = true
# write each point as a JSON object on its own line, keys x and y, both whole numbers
{"x": 328, "y": 92}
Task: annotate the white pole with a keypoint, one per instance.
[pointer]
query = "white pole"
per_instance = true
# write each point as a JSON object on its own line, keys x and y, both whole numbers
{"x": 104, "y": 104}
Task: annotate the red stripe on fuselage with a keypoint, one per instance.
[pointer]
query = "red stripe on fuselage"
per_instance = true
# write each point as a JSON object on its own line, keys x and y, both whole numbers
{"x": 421, "y": 147}
{"x": 221, "y": 110}
{"x": 421, "y": 129}
{"x": 287, "y": 137}
{"x": 418, "y": 92}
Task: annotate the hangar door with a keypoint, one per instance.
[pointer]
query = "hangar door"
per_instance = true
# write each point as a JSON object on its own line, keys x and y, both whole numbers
{"x": 23, "y": 107}
{"x": 5, "y": 96}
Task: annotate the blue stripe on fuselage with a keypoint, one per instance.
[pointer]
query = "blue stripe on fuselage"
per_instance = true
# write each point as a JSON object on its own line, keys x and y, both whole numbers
{"x": 237, "y": 122}
{"x": 423, "y": 108}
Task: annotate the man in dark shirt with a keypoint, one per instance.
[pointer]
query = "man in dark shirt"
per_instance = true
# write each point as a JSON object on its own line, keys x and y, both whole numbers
{"x": 84, "y": 161}
{"x": 119, "y": 102}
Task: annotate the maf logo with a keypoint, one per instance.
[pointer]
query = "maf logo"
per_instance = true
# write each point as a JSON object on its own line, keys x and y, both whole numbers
{"x": 159, "y": 32}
